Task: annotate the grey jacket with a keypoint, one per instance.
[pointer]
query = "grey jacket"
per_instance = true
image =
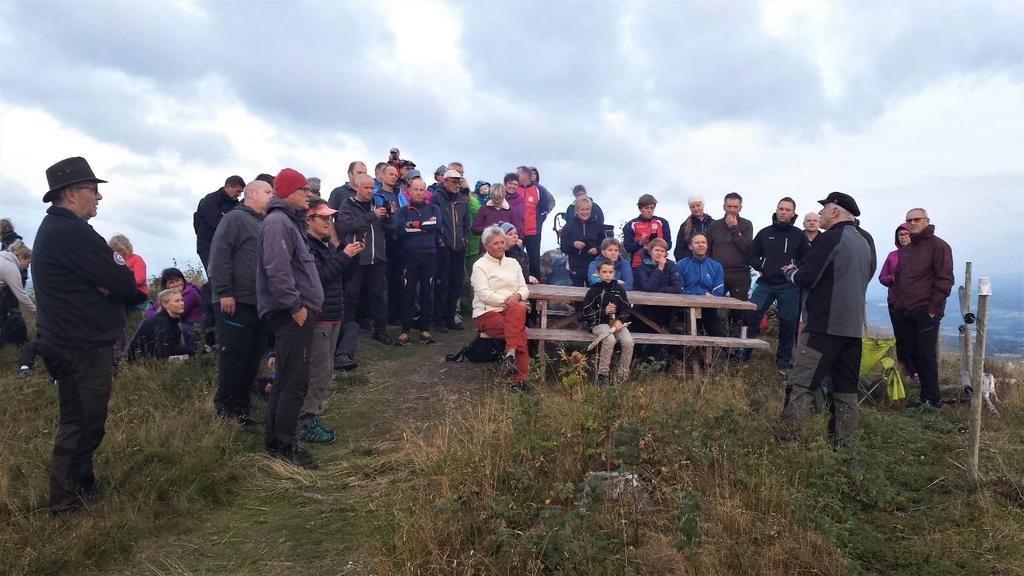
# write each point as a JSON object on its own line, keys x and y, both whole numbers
{"x": 834, "y": 277}
{"x": 356, "y": 219}
{"x": 286, "y": 276}
{"x": 233, "y": 255}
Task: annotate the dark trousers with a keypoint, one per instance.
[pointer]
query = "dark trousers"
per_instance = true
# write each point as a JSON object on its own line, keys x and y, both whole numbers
{"x": 532, "y": 244}
{"x": 83, "y": 382}
{"x": 786, "y": 297}
{"x": 241, "y": 340}
{"x": 711, "y": 322}
{"x": 27, "y": 354}
{"x": 924, "y": 333}
{"x": 451, "y": 272}
{"x": 578, "y": 277}
{"x": 820, "y": 355}
{"x": 294, "y": 347}
{"x": 395, "y": 270}
{"x": 905, "y": 341}
{"x": 365, "y": 288}
{"x": 420, "y": 268}
{"x": 737, "y": 285}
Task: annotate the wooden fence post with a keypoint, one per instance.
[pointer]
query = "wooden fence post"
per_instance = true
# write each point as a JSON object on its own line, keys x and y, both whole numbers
{"x": 978, "y": 376}
{"x": 966, "y": 362}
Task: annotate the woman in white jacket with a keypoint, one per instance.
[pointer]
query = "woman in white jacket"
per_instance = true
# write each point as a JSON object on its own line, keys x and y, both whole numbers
{"x": 499, "y": 301}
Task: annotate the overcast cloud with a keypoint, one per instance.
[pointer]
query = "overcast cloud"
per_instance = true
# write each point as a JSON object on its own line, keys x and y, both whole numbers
{"x": 900, "y": 104}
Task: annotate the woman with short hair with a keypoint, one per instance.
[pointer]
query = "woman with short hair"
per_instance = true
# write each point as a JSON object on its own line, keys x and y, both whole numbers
{"x": 160, "y": 336}
{"x": 499, "y": 302}
{"x": 122, "y": 246}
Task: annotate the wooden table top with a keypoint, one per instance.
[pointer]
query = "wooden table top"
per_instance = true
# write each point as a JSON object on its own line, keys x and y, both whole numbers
{"x": 577, "y": 293}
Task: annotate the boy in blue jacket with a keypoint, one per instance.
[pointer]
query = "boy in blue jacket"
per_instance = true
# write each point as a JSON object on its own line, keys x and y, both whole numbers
{"x": 703, "y": 276}
{"x": 416, "y": 230}
{"x": 611, "y": 249}
{"x": 605, "y": 308}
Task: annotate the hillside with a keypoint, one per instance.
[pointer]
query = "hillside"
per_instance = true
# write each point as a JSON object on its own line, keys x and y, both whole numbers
{"x": 439, "y": 470}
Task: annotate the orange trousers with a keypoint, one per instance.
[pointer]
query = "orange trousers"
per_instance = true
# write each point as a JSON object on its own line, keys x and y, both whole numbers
{"x": 510, "y": 326}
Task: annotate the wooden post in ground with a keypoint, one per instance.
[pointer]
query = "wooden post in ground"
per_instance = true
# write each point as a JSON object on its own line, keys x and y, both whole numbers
{"x": 966, "y": 361}
{"x": 977, "y": 376}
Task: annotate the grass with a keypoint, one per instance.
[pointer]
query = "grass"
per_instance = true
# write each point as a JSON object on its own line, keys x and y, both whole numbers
{"x": 438, "y": 470}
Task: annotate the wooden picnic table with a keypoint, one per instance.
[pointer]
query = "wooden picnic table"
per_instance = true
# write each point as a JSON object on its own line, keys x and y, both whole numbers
{"x": 541, "y": 295}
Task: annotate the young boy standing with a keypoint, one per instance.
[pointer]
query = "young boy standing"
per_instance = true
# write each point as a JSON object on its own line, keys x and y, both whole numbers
{"x": 605, "y": 307}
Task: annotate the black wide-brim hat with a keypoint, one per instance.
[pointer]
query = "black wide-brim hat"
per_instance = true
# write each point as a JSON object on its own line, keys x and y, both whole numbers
{"x": 67, "y": 172}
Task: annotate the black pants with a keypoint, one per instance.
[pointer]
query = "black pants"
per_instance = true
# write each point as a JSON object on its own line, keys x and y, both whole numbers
{"x": 923, "y": 332}
{"x": 294, "y": 346}
{"x": 241, "y": 341}
{"x": 579, "y": 277}
{"x": 451, "y": 272}
{"x": 737, "y": 285}
{"x": 395, "y": 270}
{"x": 711, "y": 322}
{"x": 420, "y": 268}
{"x": 906, "y": 340}
{"x": 532, "y": 244}
{"x": 365, "y": 288}
{"x": 83, "y": 382}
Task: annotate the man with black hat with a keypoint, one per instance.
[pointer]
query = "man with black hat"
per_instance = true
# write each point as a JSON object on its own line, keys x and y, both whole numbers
{"x": 82, "y": 288}
{"x": 834, "y": 277}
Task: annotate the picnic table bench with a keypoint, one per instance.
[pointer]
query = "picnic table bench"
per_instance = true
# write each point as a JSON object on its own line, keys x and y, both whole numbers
{"x": 541, "y": 295}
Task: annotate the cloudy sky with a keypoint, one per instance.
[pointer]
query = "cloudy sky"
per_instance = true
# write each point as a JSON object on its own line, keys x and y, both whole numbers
{"x": 899, "y": 104}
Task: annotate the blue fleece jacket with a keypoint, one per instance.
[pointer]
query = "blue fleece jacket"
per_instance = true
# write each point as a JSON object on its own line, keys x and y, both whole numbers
{"x": 702, "y": 276}
{"x": 416, "y": 227}
{"x": 650, "y": 279}
{"x": 623, "y": 272}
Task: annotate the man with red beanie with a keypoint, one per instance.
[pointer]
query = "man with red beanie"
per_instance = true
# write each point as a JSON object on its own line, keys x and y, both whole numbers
{"x": 289, "y": 296}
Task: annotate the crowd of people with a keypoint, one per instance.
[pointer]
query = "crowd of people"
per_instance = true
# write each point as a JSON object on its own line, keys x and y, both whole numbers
{"x": 296, "y": 277}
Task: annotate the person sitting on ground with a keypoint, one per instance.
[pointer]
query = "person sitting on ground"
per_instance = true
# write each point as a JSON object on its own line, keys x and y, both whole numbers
{"x": 640, "y": 230}
{"x": 193, "y": 314}
{"x": 606, "y": 308}
{"x": 611, "y": 249}
{"x": 417, "y": 229}
{"x": 580, "y": 240}
{"x": 514, "y": 249}
{"x": 331, "y": 263}
{"x": 703, "y": 276}
{"x": 160, "y": 337}
{"x": 697, "y": 222}
{"x": 580, "y": 191}
{"x": 492, "y": 213}
{"x": 121, "y": 246}
{"x": 499, "y": 302}
{"x": 906, "y": 340}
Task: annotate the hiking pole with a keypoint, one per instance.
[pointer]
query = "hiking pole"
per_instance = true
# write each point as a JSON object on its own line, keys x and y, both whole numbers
{"x": 977, "y": 375}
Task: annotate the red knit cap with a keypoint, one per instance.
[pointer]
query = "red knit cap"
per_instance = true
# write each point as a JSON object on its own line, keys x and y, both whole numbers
{"x": 288, "y": 181}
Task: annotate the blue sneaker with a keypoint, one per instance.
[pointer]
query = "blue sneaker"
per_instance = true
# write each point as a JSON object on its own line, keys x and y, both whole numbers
{"x": 312, "y": 433}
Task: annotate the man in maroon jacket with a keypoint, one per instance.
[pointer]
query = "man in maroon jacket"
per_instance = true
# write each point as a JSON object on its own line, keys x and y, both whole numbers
{"x": 923, "y": 280}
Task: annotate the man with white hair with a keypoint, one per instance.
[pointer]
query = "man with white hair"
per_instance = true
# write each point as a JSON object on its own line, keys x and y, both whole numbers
{"x": 835, "y": 277}
{"x": 697, "y": 223}
{"x": 923, "y": 281}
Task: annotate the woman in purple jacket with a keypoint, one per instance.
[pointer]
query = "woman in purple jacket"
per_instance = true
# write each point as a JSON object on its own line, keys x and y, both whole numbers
{"x": 904, "y": 341}
{"x": 495, "y": 211}
{"x": 172, "y": 278}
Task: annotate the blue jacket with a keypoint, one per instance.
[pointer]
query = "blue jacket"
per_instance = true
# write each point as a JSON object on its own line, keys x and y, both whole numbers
{"x": 623, "y": 272}
{"x": 589, "y": 232}
{"x": 650, "y": 279}
{"x": 416, "y": 227}
{"x": 702, "y": 276}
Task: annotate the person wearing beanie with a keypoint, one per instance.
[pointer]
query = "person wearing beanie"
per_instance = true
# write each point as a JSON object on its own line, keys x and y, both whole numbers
{"x": 514, "y": 250}
{"x": 698, "y": 222}
{"x": 639, "y": 231}
{"x": 289, "y": 295}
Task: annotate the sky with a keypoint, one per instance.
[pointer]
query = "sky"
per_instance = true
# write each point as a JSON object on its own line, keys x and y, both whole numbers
{"x": 900, "y": 104}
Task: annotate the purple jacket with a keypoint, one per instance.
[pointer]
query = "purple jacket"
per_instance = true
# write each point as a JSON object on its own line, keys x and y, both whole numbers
{"x": 888, "y": 274}
{"x": 488, "y": 215}
{"x": 286, "y": 275}
{"x": 193, "y": 305}
{"x": 517, "y": 208}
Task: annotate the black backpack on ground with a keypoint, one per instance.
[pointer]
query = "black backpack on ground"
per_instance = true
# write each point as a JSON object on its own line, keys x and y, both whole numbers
{"x": 479, "y": 350}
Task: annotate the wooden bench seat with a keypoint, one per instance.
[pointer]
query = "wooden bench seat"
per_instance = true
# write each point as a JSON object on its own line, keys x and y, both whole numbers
{"x": 551, "y": 334}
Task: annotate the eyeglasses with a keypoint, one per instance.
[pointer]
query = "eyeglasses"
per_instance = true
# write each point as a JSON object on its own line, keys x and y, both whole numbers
{"x": 912, "y": 220}
{"x": 93, "y": 189}
{"x": 324, "y": 218}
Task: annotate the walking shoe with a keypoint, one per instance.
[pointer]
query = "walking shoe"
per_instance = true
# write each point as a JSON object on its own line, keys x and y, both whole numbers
{"x": 508, "y": 363}
{"x": 457, "y": 319}
{"x": 382, "y": 337}
{"x": 344, "y": 362}
{"x": 23, "y": 373}
{"x": 322, "y": 427}
{"x": 602, "y": 381}
{"x": 403, "y": 339}
{"x": 312, "y": 433}
{"x": 296, "y": 457}
{"x": 426, "y": 338}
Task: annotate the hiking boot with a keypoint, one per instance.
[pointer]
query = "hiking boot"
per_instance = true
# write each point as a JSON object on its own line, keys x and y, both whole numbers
{"x": 312, "y": 433}
{"x": 296, "y": 457}
{"x": 508, "y": 363}
{"x": 344, "y": 362}
{"x": 247, "y": 424}
{"x": 322, "y": 427}
{"x": 403, "y": 339}
{"x": 602, "y": 381}
{"x": 457, "y": 320}
{"x": 23, "y": 373}
{"x": 382, "y": 337}
{"x": 426, "y": 338}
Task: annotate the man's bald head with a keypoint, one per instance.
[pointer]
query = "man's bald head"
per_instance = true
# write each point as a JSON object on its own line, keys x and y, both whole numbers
{"x": 257, "y": 195}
